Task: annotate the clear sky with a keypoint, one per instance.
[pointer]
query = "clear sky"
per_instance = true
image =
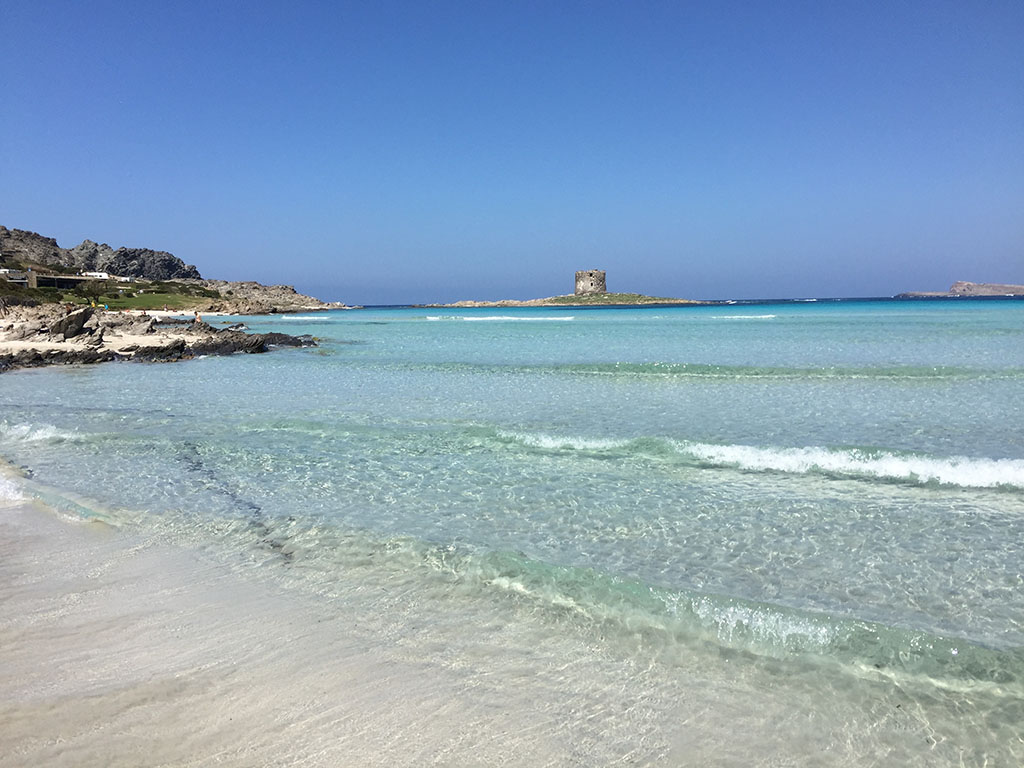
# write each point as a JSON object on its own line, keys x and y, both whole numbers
{"x": 388, "y": 152}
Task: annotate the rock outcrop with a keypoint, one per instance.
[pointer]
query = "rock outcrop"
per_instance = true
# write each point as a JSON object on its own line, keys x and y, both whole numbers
{"x": 251, "y": 298}
{"x": 24, "y": 246}
{"x": 49, "y": 335}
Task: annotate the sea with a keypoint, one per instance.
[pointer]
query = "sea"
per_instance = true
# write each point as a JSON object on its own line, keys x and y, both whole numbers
{"x": 749, "y": 534}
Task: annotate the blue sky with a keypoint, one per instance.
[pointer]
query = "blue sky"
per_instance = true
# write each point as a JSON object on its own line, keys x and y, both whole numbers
{"x": 386, "y": 152}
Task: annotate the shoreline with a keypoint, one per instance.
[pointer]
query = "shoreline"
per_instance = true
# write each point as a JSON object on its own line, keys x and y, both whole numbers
{"x": 199, "y": 660}
{"x": 31, "y": 337}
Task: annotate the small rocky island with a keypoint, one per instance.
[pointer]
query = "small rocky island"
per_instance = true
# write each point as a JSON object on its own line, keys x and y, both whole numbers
{"x": 591, "y": 290}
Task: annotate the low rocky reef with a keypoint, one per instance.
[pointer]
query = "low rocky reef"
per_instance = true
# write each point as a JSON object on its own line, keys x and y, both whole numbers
{"x": 52, "y": 335}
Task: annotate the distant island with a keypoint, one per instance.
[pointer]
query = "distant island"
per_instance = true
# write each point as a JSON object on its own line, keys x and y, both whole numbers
{"x": 572, "y": 300}
{"x": 964, "y": 288}
{"x": 591, "y": 290}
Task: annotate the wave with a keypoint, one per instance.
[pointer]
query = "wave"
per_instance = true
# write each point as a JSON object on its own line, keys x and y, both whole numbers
{"x": 953, "y": 470}
{"x": 501, "y": 318}
{"x": 908, "y": 467}
{"x": 35, "y": 433}
{"x": 743, "y": 317}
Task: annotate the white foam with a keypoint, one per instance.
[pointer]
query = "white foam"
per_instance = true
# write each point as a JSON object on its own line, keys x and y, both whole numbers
{"x": 501, "y": 318}
{"x": 10, "y": 490}
{"x": 953, "y": 470}
{"x": 947, "y": 470}
{"x": 554, "y": 442}
{"x": 299, "y": 317}
{"x": 33, "y": 433}
{"x": 743, "y": 317}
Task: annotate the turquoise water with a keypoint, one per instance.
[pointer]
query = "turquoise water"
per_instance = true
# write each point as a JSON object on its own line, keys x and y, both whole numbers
{"x": 825, "y": 500}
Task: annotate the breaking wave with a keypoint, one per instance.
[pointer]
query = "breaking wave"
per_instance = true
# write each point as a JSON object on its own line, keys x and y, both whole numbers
{"x": 34, "y": 433}
{"x": 920, "y": 469}
{"x": 501, "y": 318}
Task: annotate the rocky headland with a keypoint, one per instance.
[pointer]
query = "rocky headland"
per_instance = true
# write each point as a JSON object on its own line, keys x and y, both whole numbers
{"x": 152, "y": 271}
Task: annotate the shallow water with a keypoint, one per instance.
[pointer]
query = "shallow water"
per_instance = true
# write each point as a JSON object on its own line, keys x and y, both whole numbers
{"x": 813, "y": 513}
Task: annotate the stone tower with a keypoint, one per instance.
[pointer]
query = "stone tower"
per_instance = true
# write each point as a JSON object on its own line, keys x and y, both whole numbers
{"x": 590, "y": 281}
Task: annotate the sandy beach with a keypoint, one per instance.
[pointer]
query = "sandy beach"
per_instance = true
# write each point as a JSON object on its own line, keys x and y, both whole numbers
{"x": 120, "y": 650}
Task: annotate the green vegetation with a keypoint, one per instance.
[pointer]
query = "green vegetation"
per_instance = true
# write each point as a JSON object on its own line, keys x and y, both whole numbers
{"x": 613, "y": 298}
{"x": 19, "y": 294}
{"x": 152, "y": 301}
{"x": 146, "y": 295}
{"x": 116, "y": 295}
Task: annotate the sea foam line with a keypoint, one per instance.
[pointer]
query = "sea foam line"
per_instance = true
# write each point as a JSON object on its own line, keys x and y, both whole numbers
{"x": 952, "y": 470}
{"x": 960, "y": 471}
{"x": 501, "y": 318}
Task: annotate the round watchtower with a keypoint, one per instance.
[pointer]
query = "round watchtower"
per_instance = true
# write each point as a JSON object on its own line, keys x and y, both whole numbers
{"x": 590, "y": 281}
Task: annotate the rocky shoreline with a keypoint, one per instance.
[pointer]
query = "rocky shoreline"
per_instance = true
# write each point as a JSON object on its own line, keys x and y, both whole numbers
{"x": 54, "y": 335}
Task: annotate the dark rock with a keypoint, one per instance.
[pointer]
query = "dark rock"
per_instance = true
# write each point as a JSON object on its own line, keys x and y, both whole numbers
{"x": 155, "y": 265}
{"x": 162, "y": 353}
{"x": 90, "y": 257}
{"x": 31, "y": 358}
{"x": 25, "y": 246}
{"x": 229, "y": 342}
{"x": 284, "y": 340}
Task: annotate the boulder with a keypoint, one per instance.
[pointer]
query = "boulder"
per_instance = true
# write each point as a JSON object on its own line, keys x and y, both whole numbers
{"x": 72, "y": 324}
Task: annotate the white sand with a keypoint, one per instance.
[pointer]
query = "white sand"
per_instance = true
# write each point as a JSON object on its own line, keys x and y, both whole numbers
{"x": 119, "y": 651}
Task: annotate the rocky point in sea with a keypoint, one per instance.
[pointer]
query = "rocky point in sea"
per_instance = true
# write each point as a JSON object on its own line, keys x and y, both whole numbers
{"x": 53, "y": 334}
